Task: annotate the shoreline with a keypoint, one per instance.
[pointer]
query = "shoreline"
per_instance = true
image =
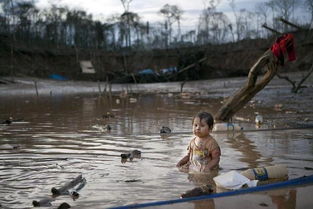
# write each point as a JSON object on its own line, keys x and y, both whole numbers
{"x": 27, "y": 86}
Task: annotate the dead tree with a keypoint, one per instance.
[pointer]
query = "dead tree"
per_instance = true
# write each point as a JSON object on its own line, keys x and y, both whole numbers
{"x": 271, "y": 29}
{"x": 267, "y": 62}
{"x": 289, "y": 23}
{"x": 296, "y": 86}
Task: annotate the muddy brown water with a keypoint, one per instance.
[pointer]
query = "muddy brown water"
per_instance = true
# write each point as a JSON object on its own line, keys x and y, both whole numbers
{"x": 61, "y": 135}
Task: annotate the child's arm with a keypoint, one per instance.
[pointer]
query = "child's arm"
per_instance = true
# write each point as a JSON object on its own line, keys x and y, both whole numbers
{"x": 216, "y": 153}
{"x": 183, "y": 161}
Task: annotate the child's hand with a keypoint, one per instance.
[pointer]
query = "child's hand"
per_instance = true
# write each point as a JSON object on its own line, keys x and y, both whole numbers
{"x": 183, "y": 161}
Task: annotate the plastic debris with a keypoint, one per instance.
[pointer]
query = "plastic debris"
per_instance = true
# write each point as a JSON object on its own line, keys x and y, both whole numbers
{"x": 233, "y": 180}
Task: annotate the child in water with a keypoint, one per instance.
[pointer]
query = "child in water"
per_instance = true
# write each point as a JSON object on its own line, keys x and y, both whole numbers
{"x": 203, "y": 152}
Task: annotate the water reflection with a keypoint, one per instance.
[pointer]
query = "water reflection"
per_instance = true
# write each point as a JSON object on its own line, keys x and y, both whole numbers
{"x": 249, "y": 153}
{"x": 279, "y": 199}
{"x": 284, "y": 199}
{"x": 208, "y": 204}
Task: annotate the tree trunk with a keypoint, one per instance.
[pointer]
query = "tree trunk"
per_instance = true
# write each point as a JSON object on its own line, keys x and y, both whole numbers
{"x": 269, "y": 63}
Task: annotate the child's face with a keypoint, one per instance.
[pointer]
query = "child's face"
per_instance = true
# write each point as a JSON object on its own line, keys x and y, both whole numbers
{"x": 200, "y": 128}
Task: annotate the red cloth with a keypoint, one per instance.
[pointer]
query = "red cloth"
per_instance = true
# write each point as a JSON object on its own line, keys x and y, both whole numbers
{"x": 283, "y": 45}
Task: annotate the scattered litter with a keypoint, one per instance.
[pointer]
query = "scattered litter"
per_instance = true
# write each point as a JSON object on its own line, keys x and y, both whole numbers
{"x": 87, "y": 67}
{"x": 263, "y": 204}
{"x": 233, "y": 180}
{"x": 278, "y": 107}
{"x": 132, "y": 100}
{"x": 146, "y": 72}
{"x": 58, "y": 77}
{"x": 258, "y": 119}
{"x": 226, "y": 127}
{"x": 132, "y": 180}
{"x": 265, "y": 173}
{"x": 130, "y": 155}
{"x": 102, "y": 128}
{"x": 242, "y": 119}
{"x": 108, "y": 115}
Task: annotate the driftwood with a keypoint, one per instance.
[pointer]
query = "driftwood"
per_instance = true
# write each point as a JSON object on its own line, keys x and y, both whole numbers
{"x": 75, "y": 185}
{"x": 233, "y": 104}
{"x": 79, "y": 180}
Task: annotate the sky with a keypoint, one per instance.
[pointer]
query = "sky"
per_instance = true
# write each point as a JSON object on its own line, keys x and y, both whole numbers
{"x": 148, "y": 9}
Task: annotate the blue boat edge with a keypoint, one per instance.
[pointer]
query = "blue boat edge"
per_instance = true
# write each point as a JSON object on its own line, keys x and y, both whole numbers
{"x": 288, "y": 183}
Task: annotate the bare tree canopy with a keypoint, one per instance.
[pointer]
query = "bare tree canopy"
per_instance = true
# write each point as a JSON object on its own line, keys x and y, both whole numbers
{"x": 57, "y": 25}
{"x": 126, "y": 4}
{"x": 171, "y": 13}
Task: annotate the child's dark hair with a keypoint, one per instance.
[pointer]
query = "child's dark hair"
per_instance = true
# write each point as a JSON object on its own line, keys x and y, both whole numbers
{"x": 207, "y": 117}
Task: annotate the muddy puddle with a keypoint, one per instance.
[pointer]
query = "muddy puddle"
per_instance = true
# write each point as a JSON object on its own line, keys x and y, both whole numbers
{"x": 57, "y": 136}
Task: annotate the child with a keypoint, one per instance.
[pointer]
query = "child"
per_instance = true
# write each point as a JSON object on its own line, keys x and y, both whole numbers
{"x": 203, "y": 151}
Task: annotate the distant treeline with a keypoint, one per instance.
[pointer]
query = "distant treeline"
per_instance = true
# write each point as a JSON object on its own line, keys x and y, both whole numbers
{"x": 57, "y": 26}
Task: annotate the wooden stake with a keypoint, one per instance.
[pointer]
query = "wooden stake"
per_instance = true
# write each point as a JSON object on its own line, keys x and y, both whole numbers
{"x": 35, "y": 82}
{"x": 99, "y": 87}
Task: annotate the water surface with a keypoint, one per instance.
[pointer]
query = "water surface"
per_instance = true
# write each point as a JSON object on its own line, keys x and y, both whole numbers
{"x": 59, "y": 137}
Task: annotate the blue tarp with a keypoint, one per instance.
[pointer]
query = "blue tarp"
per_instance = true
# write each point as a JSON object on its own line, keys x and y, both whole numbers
{"x": 58, "y": 77}
{"x": 169, "y": 70}
{"x": 146, "y": 72}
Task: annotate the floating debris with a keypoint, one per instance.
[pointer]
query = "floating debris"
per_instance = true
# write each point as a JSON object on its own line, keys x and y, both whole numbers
{"x": 263, "y": 204}
{"x": 165, "y": 130}
{"x": 102, "y": 128}
{"x": 108, "y": 115}
{"x": 132, "y": 180}
{"x": 258, "y": 119}
{"x": 11, "y": 120}
{"x": 242, "y": 119}
{"x": 7, "y": 121}
{"x": 43, "y": 203}
{"x": 226, "y": 127}
{"x": 64, "y": 205}
{"x": 79, "y": 182}
{"x": 278, "y": 107}
{"x": 132, "y": 100}
{"x": 10, "y": 146}
{"x": 130, "y": 155}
